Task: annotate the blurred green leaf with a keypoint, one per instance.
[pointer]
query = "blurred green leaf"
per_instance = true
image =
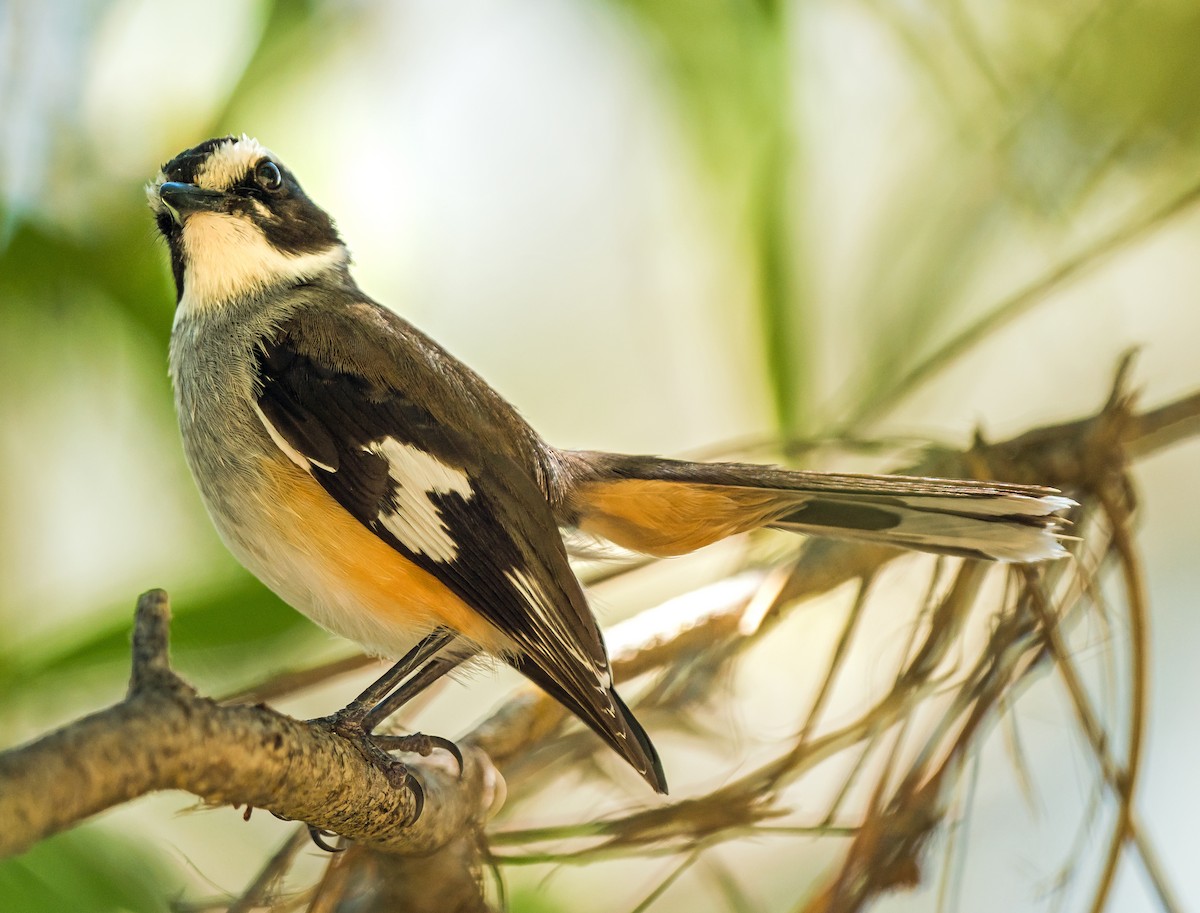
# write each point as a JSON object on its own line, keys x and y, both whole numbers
{"x": 784, "y": 305}
{"x": 914, "y": 281}
{"x": 730, "y": 69}
{"x": 41, "y": 268}
{"x": 1152, "y": 216}
{"x": 88, "y": 870}
{"x": 1137, "y": 75}
{"x": 294, "y": 33}
{"x": 230, "y": 627}
{"x": 529, "y": 900}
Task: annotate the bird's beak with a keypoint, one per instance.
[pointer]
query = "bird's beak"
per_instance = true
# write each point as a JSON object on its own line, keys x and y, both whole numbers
{"x": 181, "y": 199}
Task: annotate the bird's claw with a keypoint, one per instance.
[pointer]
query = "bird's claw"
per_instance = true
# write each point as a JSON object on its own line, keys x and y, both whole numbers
{"x": 318, "y": 836}
{"x": 422, "y": 744}
{"x": 375, "y": 749}
{"x": 418, "y": 793}
{"x": 399, "y": 776}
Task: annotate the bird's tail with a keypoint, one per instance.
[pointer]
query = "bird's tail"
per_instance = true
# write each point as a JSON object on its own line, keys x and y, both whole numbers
{"x": 669, "y": 507}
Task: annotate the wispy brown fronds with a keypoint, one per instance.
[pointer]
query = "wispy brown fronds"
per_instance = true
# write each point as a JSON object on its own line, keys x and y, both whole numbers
{"x": 903, "y": 750}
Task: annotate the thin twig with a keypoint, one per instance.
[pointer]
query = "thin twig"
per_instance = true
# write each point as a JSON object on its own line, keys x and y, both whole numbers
{"x": 258, "y": 892}
{"x": 1024, "y": 299}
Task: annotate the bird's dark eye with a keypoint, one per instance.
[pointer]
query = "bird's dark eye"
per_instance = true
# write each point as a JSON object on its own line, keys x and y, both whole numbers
{"x": 268, "y": 175}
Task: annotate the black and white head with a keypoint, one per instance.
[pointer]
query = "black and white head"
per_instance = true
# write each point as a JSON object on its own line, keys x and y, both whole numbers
{"x": 238, "y": 223}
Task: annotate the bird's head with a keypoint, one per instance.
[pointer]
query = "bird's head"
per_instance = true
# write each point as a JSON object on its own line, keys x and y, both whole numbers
{"x": 238, "y": 223}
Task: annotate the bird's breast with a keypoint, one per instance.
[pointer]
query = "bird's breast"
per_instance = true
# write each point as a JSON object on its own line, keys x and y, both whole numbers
{"x": 277, "y": 519}
{"x": 330, "y": 566}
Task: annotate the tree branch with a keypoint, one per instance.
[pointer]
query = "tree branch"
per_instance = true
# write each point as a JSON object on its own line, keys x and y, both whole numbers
{"x": 165, "y": 736}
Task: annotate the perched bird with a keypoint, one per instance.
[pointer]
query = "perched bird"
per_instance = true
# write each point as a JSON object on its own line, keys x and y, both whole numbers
{"x": 381, "y": 487}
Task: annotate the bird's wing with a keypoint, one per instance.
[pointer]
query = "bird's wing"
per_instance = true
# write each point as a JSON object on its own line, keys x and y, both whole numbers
{"x": 351, "y": 397}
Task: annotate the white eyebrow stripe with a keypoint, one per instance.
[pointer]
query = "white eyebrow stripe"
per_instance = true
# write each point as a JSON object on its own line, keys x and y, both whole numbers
{"x": 229, "y": 162}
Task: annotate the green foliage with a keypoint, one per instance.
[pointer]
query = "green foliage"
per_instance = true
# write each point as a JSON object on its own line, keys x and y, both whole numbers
{"x": 235, "y": 633}
{"x": 89, "y": 870}
{"x": 529, "y": 900}
{"x": 120, "y": 263}
{"x": 730, "y": 71}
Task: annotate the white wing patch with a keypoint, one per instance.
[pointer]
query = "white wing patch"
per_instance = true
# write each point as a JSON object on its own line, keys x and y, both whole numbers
{"x": 416, "y": 521}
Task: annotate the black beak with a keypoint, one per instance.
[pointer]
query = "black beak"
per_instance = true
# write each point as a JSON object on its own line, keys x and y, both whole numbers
{"x": 184, "y": 198}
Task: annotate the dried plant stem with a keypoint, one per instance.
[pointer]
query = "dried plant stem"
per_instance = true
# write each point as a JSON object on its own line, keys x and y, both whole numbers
{"x": 259, "y": 891}
{"x": 163, "y": 735}
{"x": 1121, "y": 779}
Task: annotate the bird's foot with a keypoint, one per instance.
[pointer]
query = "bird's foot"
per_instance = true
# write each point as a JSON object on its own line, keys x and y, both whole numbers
{"x": 349, "y": 728}
{"x": 420, "y": 743}
{"x": 316, "y": 834}
{"x": 377, "y": 748}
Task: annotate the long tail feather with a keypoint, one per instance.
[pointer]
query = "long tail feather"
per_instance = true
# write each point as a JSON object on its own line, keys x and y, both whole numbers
{"x": 669, "y": 507}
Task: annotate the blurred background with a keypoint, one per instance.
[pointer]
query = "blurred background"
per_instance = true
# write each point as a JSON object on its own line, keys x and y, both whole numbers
{"x": 655, "y": 226}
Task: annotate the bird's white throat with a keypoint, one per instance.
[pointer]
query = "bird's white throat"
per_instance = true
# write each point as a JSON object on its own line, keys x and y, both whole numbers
{"x": 227, "y": 258}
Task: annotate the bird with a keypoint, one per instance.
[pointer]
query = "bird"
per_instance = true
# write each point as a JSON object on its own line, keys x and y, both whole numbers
{"x": 381, "y": 487}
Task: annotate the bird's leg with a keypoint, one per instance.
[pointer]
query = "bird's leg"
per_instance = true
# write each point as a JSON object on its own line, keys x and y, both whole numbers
{"x": 426, "y": 648}
{"x": 416, "y": 742}
{"x": 357, "y": 720}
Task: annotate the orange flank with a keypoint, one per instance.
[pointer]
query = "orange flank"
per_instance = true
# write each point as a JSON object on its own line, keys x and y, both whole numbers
{"x": 384, "y": 581}
{"x": 672, "y": 518}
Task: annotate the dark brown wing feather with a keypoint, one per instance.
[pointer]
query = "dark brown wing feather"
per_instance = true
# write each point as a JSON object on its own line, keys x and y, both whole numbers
{"x": 335, "y": 392}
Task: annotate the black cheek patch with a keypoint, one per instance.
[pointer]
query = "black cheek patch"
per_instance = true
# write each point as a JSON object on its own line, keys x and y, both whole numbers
{"x": 298, "y": 226}
{"x": 177, "y": 266}
{"x": 170, "y": 230}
